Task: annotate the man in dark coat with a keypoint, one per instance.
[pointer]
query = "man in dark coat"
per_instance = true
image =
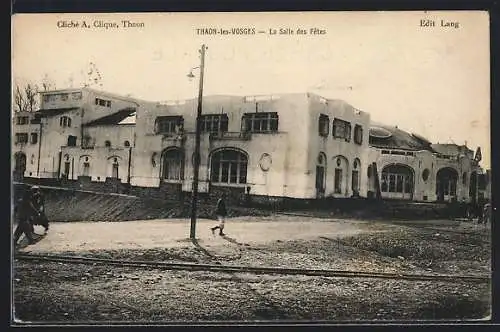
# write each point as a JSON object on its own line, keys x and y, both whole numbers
{"x": 25, "y": 212}
{"x": 39, "y": 204}
{"x": 221, "y": 213}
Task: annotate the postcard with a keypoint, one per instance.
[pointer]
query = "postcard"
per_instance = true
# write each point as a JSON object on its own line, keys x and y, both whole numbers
{"x": 242, "y": 168}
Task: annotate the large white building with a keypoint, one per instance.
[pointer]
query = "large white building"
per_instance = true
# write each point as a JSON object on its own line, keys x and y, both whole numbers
{"x": 290, "y": 145}
{"x": 298, "y": 145}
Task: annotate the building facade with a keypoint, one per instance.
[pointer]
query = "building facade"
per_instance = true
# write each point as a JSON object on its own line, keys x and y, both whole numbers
{"x": 61, "y": 125}
{"x": 290, "y": 145}
{"x": 409, "y": 167}
{"x": 26, "y": 145}
{"x": 297, "y": 145}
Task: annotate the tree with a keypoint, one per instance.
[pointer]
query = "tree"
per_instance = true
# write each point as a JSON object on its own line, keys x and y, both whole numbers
{"x": 93, "y": 76}
{"x": 25, "y": 98}
{"x": 26, "y": 95}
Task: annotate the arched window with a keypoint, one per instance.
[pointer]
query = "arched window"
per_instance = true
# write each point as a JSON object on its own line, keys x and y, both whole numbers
{"x": 107, "y": 144}
{"x": 397, "y": 181}
{"x": 126, "y": 144}
{"x": 172, "y": 164}
{"x": 65, "y": 121}
{"x": 228, "y": 166}
{"x": 340, "y": 172}
{"x": 356, "y": 166}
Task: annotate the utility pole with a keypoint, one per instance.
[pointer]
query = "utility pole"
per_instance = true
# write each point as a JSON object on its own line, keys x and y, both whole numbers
{"x": 196, "y": 170}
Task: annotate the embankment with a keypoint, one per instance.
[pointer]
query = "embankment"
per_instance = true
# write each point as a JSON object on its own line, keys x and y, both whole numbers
{"x": 64, "y": 204}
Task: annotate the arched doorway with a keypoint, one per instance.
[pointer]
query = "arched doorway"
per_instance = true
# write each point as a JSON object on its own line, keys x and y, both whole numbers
{"x": 320, "y": 175}
{"x": 397, "y": 182}
{"x": 446, "y": 184}
{"x": 473, "y": 187}
{"x": 340, "y": 184}
{"x": 113, "y": 168}
{"x": 355, "y": 177}
{"x": 19, "y": 165}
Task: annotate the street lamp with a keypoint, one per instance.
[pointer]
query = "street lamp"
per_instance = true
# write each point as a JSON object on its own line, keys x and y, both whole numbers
{"x": 196, "y": 164}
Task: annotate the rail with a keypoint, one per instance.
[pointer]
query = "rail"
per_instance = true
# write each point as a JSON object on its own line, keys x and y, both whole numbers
{"x": 249, "y": 269}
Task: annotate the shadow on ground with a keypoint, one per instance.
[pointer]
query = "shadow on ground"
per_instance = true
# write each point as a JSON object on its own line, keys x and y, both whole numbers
{"x": 25, "y": 243}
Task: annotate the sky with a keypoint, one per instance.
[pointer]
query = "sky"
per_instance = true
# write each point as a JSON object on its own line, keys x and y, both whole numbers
{"x": 431, "y": 80}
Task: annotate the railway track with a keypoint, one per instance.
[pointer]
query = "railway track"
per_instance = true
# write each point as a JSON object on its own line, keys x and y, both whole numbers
{"x": 249, "y": 269}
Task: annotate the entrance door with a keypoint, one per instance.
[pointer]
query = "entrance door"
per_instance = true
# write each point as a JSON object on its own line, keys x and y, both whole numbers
{"x": 446, "y": 184}
{"x": 320, "y": 182}
{"x": 66, "y": 169}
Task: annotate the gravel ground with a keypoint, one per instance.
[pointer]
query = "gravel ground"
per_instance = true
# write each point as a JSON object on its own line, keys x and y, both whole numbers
{"x": 55, "y": 292}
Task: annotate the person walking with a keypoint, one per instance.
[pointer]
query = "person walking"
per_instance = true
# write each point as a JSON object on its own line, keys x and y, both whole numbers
{"x": 39, "y": 204}
{"x": 25, "y": 211}
{"x": 487, "y": 213}
{"x": 221, "y": 213}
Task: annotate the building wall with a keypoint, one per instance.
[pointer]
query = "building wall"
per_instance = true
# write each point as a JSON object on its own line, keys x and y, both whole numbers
{"x": 85, "y": 98}
{"x": 101, "y": 161}
{"x": 115, "y": 134}
{"x": 30, "y": 150}
{"x": 285, "y": 177}
{"x": 425, "y": 190}
{"x": 334, "y": 148}
{"x": 54, "y": 137}
{"x": 93, "y": 111}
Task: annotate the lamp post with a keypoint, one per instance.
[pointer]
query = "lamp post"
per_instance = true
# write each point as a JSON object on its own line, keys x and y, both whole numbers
{"x": 196, "y": 164}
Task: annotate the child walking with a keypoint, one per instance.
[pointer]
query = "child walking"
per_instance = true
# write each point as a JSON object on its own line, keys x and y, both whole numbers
{"x": 221, "y": 213}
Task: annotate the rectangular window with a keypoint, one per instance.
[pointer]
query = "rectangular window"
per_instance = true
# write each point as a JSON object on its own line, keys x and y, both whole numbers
{"x": 21, "y": 138}
{"x": 384, "y": 186}
{"x": 64, "y": 96}
{"x": 34, "y": 138}
{"x": 358, "y": 134}
{"x": 261, "y": 122}
{"x": 323, "y": 125}
{"x": 168, "y": 124}
{"x": 408, "y": 185}
{"x": 215, "y": 172}
{"x": 399, "y": 183}
{"x": 392, "y": 183}
{"x": 341, "y": 129}
{"x": 233, "y": 172}
{"x": 225, "y": 172}
{"x": 102, "y": 102}
{"x": 214, "y": 123}
{"x": 243, "y": 173}
{"x": 76, "y": 95}
{"x": 338, "y": 181}
{"x": 22, "y": 120}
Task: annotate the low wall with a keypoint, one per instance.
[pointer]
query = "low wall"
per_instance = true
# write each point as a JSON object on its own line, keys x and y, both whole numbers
{"x": 87, "y": 200}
